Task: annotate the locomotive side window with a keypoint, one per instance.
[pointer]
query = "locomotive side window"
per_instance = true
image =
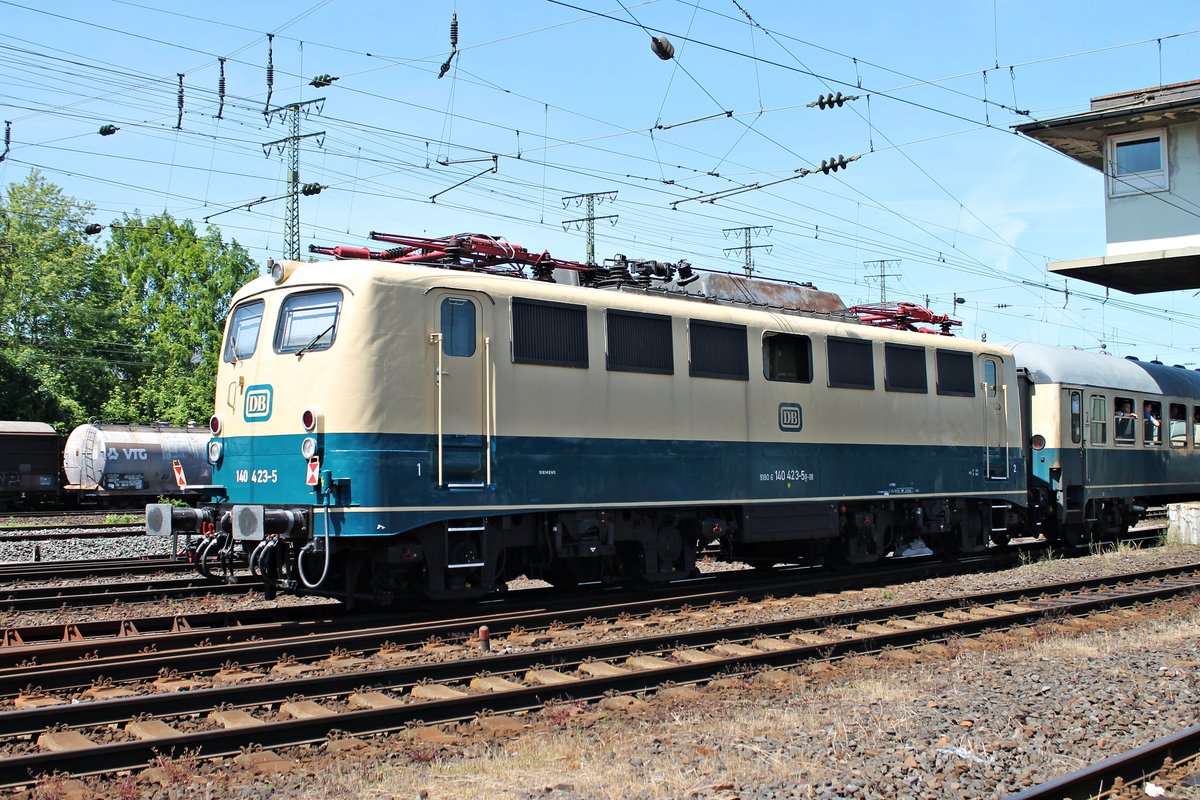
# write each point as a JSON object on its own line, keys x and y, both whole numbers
{"x": 1099, "y": 432}
{"x": 1124, "y": 421}
{"x": 242, "y": 338}
{"x": 991, "y": 381}
{"x": 904, "y": 369}
{"x": 458, "y": 327}
{"x": 1152, "y": 423}
{"x": 554, "y": 334}
{"x": 955, "y": 373}
{"x": 308, "y": 322}
{"x": 718, "y": 350}
{"x": 639, "y": 342}
{"x": 851, "y": 363}
{"x": 787, "y": 357}
{"x": 1178, "y": 425}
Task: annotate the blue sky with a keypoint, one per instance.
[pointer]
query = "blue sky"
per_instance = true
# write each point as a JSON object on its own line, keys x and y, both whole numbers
{"x": 568, "y": 96}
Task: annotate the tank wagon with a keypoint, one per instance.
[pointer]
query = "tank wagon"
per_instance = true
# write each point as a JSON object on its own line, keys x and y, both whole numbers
{"x": 107, "y": 462}
{"x": 29, "y": 463}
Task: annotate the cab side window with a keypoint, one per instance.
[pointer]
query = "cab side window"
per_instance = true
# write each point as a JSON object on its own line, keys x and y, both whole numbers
{"x": 241, "y": 339}
{"x": 308, "y": 321}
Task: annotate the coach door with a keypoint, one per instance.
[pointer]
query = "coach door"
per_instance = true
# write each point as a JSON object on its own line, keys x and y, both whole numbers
{"x": 995, "y": 420}
{"x": 1074, "y": 463}
{"x": 463, "y": 389}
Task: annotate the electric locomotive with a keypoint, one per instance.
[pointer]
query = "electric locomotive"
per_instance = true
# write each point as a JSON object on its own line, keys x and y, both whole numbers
{"x": 423, "y": 421}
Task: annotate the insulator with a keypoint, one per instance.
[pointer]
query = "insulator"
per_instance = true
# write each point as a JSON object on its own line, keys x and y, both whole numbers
{"x": 221, "y": 90}
{"x": 309, "y": 189}
{"x": 662, "y": 47}
{"x": 686, "y": 274}
{"x": 92, "y": 228}
{"x": 393, "y": 254}
{"x": 270, "y": 69}
{"x": 7, "y": 139}
{"x": 321, "y": 81}
{"x": 453, "y": 31}
{"x": 179, "y": 122}
{"x": 108, "y": 130}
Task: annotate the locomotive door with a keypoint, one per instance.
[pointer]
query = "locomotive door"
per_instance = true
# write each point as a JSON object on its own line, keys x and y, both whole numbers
{"x": 463, "y": 390}
{"x": 995, "y": 421}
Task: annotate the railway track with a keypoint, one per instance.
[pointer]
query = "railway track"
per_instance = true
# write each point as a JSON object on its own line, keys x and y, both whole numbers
{"x": 83, "y": 530}
{"x": 36, "y": 571}
{"x": 302, "y": 699}
{"x": 1164, "y": 762}
{"x": 45, "y": 598}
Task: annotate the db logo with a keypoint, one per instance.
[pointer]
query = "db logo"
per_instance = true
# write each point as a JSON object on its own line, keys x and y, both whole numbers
{"x": 790, "y": 417}
{"x": 257, "y": 404}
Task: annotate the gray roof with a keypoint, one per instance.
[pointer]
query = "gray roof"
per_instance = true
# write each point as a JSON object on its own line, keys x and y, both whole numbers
{"x": 1047, "y": 364}
{"x": 25, "y": 427}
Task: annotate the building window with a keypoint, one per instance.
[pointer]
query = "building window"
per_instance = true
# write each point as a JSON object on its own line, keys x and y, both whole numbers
{"x": 308, "y": 322}
{"x": 1137, "y": 162}
{"x": 851, "y": 363}
{"x": 548, "y": 333}
{"x": 718, "y": 350}
{"x": 787, "y": 357}
{"x": 904, "y": 369}
{"x": 458, "y": 327}
{"x": 639, "y": 342}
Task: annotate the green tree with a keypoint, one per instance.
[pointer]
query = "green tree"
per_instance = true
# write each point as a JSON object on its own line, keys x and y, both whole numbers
{"x": 177, "y": 288}
{"x": 56, "y": 307}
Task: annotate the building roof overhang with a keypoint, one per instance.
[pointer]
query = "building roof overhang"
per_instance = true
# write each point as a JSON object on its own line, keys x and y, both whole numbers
{"x": 1137, "y": 273}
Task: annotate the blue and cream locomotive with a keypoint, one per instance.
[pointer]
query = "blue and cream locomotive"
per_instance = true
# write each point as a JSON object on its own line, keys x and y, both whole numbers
{"x": 418, "y": 422}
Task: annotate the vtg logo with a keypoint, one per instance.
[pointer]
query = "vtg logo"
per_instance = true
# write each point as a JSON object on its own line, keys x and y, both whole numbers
{"x": 790, "y": 417}
{"x": 257, "y": 405}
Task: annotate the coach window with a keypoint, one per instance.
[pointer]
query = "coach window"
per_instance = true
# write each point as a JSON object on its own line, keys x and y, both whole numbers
{"x": 904, "y": 369}
{"x": 242, "y": 338}
{"x": 1195, "y": 426}
{"x": 1124, "y": 421}
{"x": 851, "y": 363}
{"x": 1152, "y": 423}
{"x": 308, "y": 322}
{"x": 1099, "y": 432}
{"x": 1076, "y": 417}
{"x": 458, "y": 327}
{"x": 1178, "y": 432}
{"x": 554, "y": 334}
{"x": 787, "y": 357}
{"x": 955, "y": 373}
{"x": 639, "y": 342}
{"x": 718, "y": 350}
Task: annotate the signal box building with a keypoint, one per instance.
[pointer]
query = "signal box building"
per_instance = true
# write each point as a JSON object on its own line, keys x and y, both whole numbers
{"x": 1147, "y": 145}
